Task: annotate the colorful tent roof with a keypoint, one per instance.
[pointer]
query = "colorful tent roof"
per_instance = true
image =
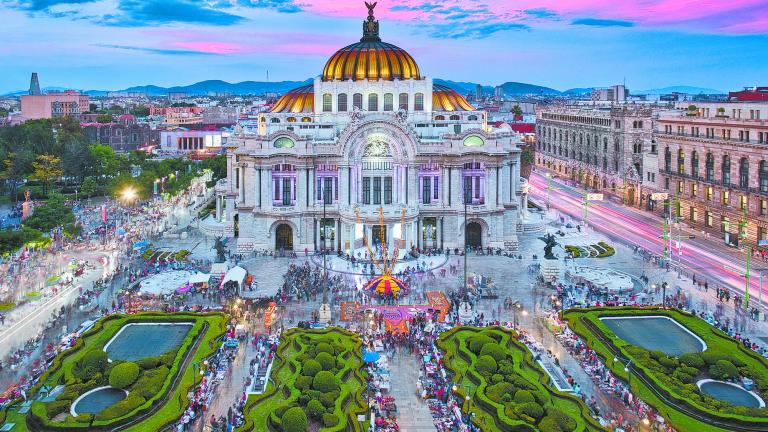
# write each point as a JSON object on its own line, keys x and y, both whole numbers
{"x": 385, "y": 285}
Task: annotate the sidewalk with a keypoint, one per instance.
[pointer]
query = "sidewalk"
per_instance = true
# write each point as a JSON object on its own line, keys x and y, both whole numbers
{"x": 413, "y": 414}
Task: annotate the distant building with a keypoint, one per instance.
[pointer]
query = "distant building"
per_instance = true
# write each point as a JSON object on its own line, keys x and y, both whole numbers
{"x": 749, "y": 94}
{"x": 221, "y": 115}
{"x": 123, "y": 136}
{"x": 34, "y": 85}
{"x": 499, "y": 92}
{"x": 617, "y": 93}
{"x": 189, "y": 141}
{"x": 60, "y": 104}
{"x": 177, "y": 95}
{"x": 479, "y": 92}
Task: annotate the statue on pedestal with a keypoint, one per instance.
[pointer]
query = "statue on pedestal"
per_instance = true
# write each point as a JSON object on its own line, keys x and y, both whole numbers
{"x": 550, "y": 241}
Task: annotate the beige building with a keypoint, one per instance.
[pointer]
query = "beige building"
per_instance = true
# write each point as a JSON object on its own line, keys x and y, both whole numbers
{"x": 714, "y": 164}
{"x": 605, "y": 149}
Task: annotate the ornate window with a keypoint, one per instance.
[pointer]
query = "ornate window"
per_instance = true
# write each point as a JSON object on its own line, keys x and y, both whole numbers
{"x": 455, "y": 117}
{"x": 710, "y": 167}
{"x": 418, "y": 103}
{"x": 744, "y": 172}
{"x": 681, "y": 161}
{"x": 403, "y": 102}
{"x": 695, "y": 164}
{"x": 284, "y": 142}
{"x": 473, "y": 141}
{"x": 327, "y": 102}
{"x": 341, "y": 103}
{"x": 357, "y": 100}
{"x": 373, "y": 102}
{"x": 388, "y": 102}
{"x": 726, "y": 168}
{"x": 439, "y": 118}
{"x": 473, "y": 118}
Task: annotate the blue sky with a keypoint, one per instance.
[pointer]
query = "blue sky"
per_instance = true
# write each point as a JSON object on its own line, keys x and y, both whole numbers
{"x": 114, "y": 44}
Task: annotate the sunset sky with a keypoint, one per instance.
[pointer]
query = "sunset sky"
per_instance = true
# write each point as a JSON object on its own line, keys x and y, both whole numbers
{"x": 114, "y": 44}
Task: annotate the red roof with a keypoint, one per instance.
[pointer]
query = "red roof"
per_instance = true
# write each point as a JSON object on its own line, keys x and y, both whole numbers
{"x": 523, "y": 127}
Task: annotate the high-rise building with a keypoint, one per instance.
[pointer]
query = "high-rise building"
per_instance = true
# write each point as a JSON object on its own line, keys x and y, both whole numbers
{"x": 34, "y": 85}
{"x": 617, "y": 93}
{"x": 479, "y": 93}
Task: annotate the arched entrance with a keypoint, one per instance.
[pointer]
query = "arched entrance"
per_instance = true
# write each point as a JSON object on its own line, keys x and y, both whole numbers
{"x": 474, "y": 235}
{"x": 379, "y": 234}
{"x": 284, "y": 237}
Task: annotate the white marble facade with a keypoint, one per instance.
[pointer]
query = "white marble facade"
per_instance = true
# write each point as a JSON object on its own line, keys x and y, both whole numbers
{"x": 412, "y": 159}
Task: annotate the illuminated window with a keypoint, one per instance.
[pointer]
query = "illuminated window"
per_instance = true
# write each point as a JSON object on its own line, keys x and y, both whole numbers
{"x": 725, "y": 197}
{"x": 709, "y": 193}
{"x": 694, "y": 189}
{"x": 679, "y": 187}
{"x": 743, "y": 202}
{"x": 708, "y": 218}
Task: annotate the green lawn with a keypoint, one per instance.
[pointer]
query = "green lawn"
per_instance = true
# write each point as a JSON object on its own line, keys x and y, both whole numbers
{"x": 667, "y": 383}
{"x": 286, "y": 388}
{"x": 512, "y": 392}
{"x": 164, "y": 407}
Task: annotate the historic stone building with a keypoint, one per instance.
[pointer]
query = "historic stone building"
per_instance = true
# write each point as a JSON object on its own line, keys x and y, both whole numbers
{"x": 714, "y": 164}
{"x": 371, "y": 134}
{"x": 601, "y": 148}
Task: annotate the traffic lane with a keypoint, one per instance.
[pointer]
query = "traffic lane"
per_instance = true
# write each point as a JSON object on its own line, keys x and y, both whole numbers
{"x": 637, "y": 233}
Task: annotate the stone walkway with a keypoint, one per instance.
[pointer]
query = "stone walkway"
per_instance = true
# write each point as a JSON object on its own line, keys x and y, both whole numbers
{"x": 413, "y": 412}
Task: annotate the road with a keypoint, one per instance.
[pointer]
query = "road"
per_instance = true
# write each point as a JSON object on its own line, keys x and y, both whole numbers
{"x": 709, "y": 258}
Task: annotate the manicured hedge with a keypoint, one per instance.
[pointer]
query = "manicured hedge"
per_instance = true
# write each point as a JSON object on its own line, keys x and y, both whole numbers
{"x": 667, "y": 383}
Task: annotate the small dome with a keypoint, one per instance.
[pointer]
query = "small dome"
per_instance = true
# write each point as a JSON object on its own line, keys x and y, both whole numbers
{"x": 447, "y": 99}
{"x": 298, "y": 100}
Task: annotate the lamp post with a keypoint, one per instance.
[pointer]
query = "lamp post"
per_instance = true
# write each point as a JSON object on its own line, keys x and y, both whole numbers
{"x": 627, "y": 369}
{"x": 549, "y": 186}
{"x": 467, "y": 398}
{"x": 515, "y": 306}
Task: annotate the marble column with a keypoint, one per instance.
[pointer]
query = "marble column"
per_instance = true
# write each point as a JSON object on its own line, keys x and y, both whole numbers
{"x": 266, "y": 189}
{"x": 301, "y": 189}
{"x": 444, "y": 190}
{"x": 344, "y": 185}
{"x": 490, "y": 190}
{"x": 456, "y": 187}
{"x": 506, "y": 191}
{"x": 413, "y": 178}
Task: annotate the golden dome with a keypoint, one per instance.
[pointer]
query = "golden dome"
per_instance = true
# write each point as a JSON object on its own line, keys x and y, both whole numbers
{"x": 371, "y": 58}
{"x": 372, "y": 61}
{"x": 298, "y": 100}
{"x": 447, "y": 99}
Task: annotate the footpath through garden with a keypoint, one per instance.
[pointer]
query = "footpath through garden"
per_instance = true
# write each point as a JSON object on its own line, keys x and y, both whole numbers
{"x": 413, "y": 414}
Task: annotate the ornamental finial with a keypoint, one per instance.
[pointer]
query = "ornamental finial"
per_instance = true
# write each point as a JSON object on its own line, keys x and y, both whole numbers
{"x": 371, "y": 26}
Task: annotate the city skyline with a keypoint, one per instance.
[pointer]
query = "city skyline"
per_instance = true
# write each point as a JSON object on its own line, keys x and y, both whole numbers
{"x": 111, "y": 45}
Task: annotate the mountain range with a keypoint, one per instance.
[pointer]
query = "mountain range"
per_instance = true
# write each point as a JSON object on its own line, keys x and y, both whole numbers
{"x": 261, "y": 87}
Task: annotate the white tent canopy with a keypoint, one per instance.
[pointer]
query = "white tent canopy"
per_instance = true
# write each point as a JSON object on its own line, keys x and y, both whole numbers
{"x": 199, "y": 278}
{"x": 219, "y": 268}
{"x": 236, "y": 274}
{"x": 165, "y": 283}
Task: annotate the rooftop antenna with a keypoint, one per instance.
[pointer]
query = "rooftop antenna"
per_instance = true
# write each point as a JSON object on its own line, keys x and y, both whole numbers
{"x": 267, "y": 75}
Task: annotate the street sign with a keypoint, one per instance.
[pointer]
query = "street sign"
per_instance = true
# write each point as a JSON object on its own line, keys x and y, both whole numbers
{"x": 595, "y": 197}
{"x": 659, "y": 196}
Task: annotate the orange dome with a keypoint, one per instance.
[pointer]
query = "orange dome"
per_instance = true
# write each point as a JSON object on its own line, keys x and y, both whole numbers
{"x": 372, "y": 60}
{"x": 447, "y": 99}
{"x": 299, "y": 100}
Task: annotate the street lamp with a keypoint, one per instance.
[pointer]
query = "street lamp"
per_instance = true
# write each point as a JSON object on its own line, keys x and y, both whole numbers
{"x": 467, "y": 398}
{"x": 627, "y": 369}
{"x": 549, "y": 186}
{"x": 515, "y": 306}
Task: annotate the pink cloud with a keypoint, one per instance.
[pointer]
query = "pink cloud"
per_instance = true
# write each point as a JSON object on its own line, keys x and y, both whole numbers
{"x": 212, "y": 47}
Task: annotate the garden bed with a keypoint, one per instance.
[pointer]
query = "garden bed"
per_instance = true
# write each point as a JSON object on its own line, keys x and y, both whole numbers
{"x": 509, "y": 391}
{"x": 157, "y": 386}
{"x": 316, "y": 383}
{"x": 668, "y": 382}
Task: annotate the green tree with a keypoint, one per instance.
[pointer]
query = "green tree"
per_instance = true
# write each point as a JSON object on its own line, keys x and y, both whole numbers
{"x": 104, "y": 118}
{"x": 140, "y": 110}
{"x": 89, "y": 187}
{"x": 50, "y": 215}
{"x": 15, "y": 168}
{"x": 105, "y": 161}
{"x": 46, "y": 169}
{"x": 517, "y": 111}
{"x": 77, "y": 161}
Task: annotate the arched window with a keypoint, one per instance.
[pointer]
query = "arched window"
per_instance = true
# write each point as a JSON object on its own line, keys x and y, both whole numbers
{"x": 341, "y": 103}
{"x": 616, "y": 145}
{"x": 357, "y": 100}
{"x": 306, "y": 119}
{"x": 373, "y": 102}
{"x": 667, "y": 159}
{"x": 472, "y": 118}
{"x": 763, "y": 176}
{"x": 439, "y": 118}
{"x": 418, "y": 102}
{"x": 403, "y": 102}
{"x": 275, "y": 120}
{"x": 726, "y": 168}
{"x": 291, "y": 119}
{"x": 710, "y": 167}
{"x": 681, "y": 161}
{"x": 388, "y": 102}
{"x": 455, "y": 117}
{"x": 695, "y": 164}
{"x": 605, "y": 144}
{"x": 327, "y": 102}
{"x": 744, "y": 172}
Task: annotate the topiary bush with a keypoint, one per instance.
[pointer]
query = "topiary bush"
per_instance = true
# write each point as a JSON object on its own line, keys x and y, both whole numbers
{"x": 311, "y": 368}
{"x": 723, "y": 370}
{"x": 524, "y": 396}
{"x": 150, "y": 382}
{"x": 326, "y": 360}
{"x": 693, "y": 360}
{"x": 477, "y": 342}
{"x": 52, "y": 409}
{"x": 324, "y": 347}
{"x": 324, "y": 382}
{"x": 328, "y": 399}
{"x": 531, "y": 409}
{"x": 330, "y": 420}
{"x": 125, "y": 406}
{"x": 315, "y": 409}
{"x": 123, "y": 375}
{"x": 92, "y": 363}
{"x": 494, "y": 350}
{"x": 148, "y": 362}
{"x": 303, "y": 383}
{"x": 486, "y": 365}
{"x": 294, "y": 420}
